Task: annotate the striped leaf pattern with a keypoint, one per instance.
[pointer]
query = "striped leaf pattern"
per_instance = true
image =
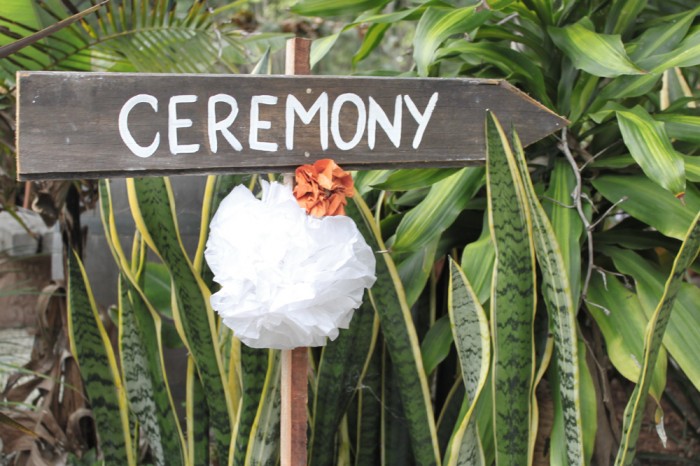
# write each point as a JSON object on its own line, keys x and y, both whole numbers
{"x": 512, "y": 301}
{"x": 652, "y": 344}
{"x": 263, "y": 445}
{"x": 560, "y": 306}
{"x": 402, "y": 342}
{"x": 152, "y": 207}
{"x": 98, "y": 368}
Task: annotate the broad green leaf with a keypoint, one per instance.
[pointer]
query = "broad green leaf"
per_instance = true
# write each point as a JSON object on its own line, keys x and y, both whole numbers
{"x": 416, "y": 178}
{"x": 321, "y": 47}
{"x": 338, "y": 378}
{"x": 92, "y": 349}
{"x": 621, "y": 319}
{"x": 650, "y": 146}
{"x": 692, "y": 167}
{"x": 152, "y": 206}
{"x": 436, "y": 344}
{"x": 326, "y": 8}
{"x": 683, "y": 333}
{"x": 415, "y": 269}
{"x": 663, "y": 38}
{"x": 598, "y": 54}
{"x": 685, "y": 55}
{"x": 648, "y": 202}
{"x": 515, "y": 65}
{"x": 477, "y": 263}
{"x": 566, "y": 222}
{"x": 373, "y": 37}
{"x": 652, "y": 344}
{"x": 438, "y": 210}
{"x": 681, "y": 127}
{"x": 402, "y": 341}
{"x": 512, "y": 301}
{"x": 436, "y": 25}
{"x": 622, "y": 15}
{"x": 470, "y": 331}
{"x": 556, "y": 291}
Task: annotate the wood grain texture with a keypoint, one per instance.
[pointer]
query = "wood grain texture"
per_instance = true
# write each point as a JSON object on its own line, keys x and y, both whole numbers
{"x": 68, "y": 123}
{"x": 295, "y": 363}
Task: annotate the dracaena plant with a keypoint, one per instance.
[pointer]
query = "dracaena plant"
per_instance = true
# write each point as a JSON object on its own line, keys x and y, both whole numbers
{"x": 502, "y": 291}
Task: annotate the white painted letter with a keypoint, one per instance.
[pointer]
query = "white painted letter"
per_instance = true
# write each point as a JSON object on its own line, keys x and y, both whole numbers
{"x": 223, "y": 125}
{"x": 257, "y": 124}
{"x": 294, "y": 106}
{"x": 335, "y": 120}
{"x": 174, "y": 123}
{"x": 124, "y": 132}
{"x": 377, "y": 115}
{"x": 421, "y": 119}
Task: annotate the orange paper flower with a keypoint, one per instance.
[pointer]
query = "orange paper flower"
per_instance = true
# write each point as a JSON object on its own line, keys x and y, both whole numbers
{"x": 321, "y": 188}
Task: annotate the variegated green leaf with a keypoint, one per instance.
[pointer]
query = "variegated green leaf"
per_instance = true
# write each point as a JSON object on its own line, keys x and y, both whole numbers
{"x": 438, "y": 210}
{"x": 436, "y": 25}
{"x": 253, "y": 367}
{"x": 622, "y": 15}
{"x": 683, "y": 332}
{"x": 647, "y": 201}
{"x": 152, "y": 207}
{"x": 556, "y": 291}
{"x": 327, "y": 8}
{"x": 92, "y": 349}
{"x": 681, "y": 127}
{"x": 402, "y": 341}
{"x": 652, "y": 344}
{"x": 621, "y": 320}
{"x": 598, "y": 54}
{"x": 512, "y": 300}
{"x": 417, "y": 178}
{"x": 263, "y": 445}
{"x": 650, "y": 146}
{"x": 338, "y": 375}
{"x": 477, "y": 262}
{"x": 471, "y": 334}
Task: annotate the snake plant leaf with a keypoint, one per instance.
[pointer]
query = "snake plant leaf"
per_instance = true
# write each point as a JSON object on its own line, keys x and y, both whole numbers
{"x": 559, "y": 301}
{"x": 401, "y": 340}
{"x": 338, "y": 376}
{"x": 436, "y": 25}
{"x": 263, "y": 445}
{"x": 683, "y": 331}
{"x": 92, "y": 349}
{"x": 621, "y": 319}
{"x": 652, "y": 344}
{"x": 438, "y": 210}
{"x": 651, "y": 147}
{"x": 253, "y": 367}
{"x": 152, "y": 206}
{"x": 197, "y": 417}
{"x": 512, "y": 300}
{"x": 598, "y": 54}
{"x": 369, "y": 412}
{"x": 142, "y": 360}
{"x": 470, "y": 330}
{"x": 650, "y": 203}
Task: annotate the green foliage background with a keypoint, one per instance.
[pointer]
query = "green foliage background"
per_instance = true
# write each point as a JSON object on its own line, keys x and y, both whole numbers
{"x": 505, "y": 288}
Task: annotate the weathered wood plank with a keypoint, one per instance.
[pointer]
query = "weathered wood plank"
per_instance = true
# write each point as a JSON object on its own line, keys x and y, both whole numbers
{"x": 69, "y": 123}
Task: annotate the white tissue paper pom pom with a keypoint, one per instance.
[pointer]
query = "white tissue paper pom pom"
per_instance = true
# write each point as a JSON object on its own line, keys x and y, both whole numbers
{"x": 287, "y": 279}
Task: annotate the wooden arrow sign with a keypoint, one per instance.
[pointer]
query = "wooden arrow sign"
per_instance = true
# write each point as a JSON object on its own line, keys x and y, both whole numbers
{"x": 89, "y": 125}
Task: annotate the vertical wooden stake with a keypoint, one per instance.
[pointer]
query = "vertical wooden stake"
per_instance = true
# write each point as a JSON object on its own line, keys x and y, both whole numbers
{"x": 295, "y": 362}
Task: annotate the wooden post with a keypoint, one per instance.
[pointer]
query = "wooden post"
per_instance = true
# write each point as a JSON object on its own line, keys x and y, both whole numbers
{"x": 295, "y": 362}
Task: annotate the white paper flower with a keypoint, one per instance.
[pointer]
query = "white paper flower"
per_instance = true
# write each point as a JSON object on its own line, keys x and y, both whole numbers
{"x": 287, "y": 279}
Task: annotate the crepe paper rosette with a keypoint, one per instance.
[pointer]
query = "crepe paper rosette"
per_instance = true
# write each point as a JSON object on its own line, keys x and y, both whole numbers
{"x": 289, "y": 278}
